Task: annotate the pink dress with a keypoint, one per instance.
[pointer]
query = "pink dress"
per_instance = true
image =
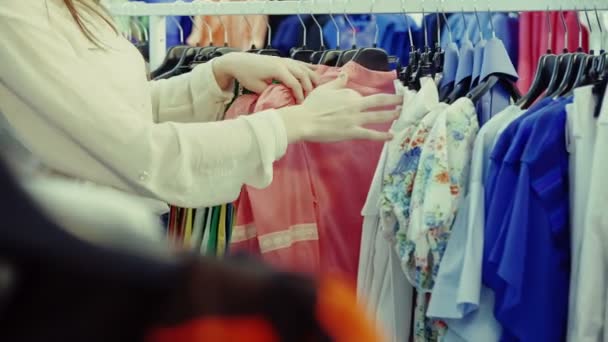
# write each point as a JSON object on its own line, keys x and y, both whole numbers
{"x": 309, "y": 218}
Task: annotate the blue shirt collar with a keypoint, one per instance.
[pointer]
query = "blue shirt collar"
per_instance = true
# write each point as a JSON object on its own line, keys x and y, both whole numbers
{"x": 496, "y": 61}
{"x": 465, "y": 63}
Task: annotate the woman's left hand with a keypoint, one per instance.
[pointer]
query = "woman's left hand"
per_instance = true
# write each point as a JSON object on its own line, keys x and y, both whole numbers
{"x": 256, "y": 73}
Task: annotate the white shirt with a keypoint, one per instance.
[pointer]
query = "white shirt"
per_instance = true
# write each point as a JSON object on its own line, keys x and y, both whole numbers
{"x": 588, "y": 317}
{"x": 381, "y": 285}
{"x": 581, "y": 134}
{"x": 91, "y": 114}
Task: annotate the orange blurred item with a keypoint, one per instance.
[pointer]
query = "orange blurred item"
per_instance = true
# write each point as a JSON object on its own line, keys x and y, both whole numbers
{"x": 240, "y": 33}
{"x": 337, "y": 312}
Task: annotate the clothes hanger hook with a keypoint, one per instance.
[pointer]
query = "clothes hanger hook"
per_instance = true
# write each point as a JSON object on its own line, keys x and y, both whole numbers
{"x": 304, "y": 31}
{"x": 464, "y": 20}
{"x": 599, "y": 21}
{"x": 580, "y": 30}
{"x": 139, "y": 24}
{"x": 438, "y": 17}
{"x": 250, "y": 27}
{"x": 599, "y": 24}
{"x": 447, "y": 24}
{"x": 376, "y": 27}
{"x": 426, "y": 36}
{"x": 268, "y": 27}
{"x": 331, "y": 16}
{"x": 179, "y": 26}
{"x": 490, "y": 18}
{"x": 224, "y": 28}
{"x": 563, "y": 20}
{"x": 407, "y": 22}
{"x": 322, "y": 39}
{"x": 350, "y": 23}
{"x": 478, "y": 22}
{"x": 550, "y": 30}
{"x": 201, "y": 3}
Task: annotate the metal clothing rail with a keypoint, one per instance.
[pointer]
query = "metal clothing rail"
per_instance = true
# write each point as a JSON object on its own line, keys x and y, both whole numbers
{"x": 159, "y": 11}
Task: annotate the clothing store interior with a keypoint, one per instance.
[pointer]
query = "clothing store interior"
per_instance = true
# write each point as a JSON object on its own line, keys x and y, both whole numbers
{"x": 304, "y": 170}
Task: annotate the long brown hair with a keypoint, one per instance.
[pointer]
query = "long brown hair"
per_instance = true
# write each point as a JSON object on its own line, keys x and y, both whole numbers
{"x": 94, "y": 6}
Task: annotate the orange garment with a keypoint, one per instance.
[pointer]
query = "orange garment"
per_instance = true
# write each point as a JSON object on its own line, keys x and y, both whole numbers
{"x": 308, "y": 219}
{"x": 240, "y": 34}
{"x": 336, "y": 311}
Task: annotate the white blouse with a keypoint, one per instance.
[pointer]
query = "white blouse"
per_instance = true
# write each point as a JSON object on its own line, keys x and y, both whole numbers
{"x": 91, "y": 114}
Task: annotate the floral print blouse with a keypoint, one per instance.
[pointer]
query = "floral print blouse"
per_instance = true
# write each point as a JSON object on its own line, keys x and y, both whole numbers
{"x": 422, "y": 193}
{"x": 439, "y": 185}
{"x": 398, "y": 184}
{"x": 394, "y": 190}
{"x": 440, "y": 182}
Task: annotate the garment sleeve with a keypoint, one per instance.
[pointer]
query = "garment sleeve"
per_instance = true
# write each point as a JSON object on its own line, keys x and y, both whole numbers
{"x": 191, "y": 97}
{"x": 190, "y": 165}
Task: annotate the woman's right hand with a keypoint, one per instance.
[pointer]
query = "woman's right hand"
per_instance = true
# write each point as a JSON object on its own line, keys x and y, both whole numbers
{"x": 333, "y": 112}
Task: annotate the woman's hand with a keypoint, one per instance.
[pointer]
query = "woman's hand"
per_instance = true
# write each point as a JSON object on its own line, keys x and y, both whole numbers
{"x": 334, "y": 113}
{"x": 256, "y": 72}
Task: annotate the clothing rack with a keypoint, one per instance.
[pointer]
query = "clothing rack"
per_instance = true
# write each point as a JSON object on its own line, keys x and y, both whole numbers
{"x": 159, "y": 11}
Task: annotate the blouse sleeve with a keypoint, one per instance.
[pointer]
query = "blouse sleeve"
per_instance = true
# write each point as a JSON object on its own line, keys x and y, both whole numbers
{"x": 190, "y": 165}
{"x": 191, "y": 97}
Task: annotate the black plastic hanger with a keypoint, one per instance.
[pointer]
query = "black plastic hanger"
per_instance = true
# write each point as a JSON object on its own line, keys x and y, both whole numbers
{"x": 600, "y": 84}
{"x": 426, "y": 67}
{"x": 347, "y": 55}
{"x": 572, "y": 63}
{"x": 438, "y": 53}
{"x": 406, "y": 73}
{"x": 486, "y": 85}
{"x": 547, "y": 65}
{"x": 171, "y": 59}
{"x": 492, "y": 80}
{"x": 302, "y": 53}
{"x": 330, "y": 57}
{"x": 546, "y": 73}
{"x": 448, "y": 87}
{"x": 373, "y": 58}
{"x": 316, "y": 56}
{"x": 202, "y": 55}
{"x": 182, "y": 65}
{"x": 268, "y": 50}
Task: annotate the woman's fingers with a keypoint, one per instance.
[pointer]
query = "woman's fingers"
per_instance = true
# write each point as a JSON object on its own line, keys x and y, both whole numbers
{"x": 303, "y": 76}
{"x": 379, "y": 100}
{"x": 370, "y": 134}
{"x": 287, "y": 78}
{"x": 375, "y": 117}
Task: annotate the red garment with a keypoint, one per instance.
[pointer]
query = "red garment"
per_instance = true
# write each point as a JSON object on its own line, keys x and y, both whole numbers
{"x": 534, "y": 40}
{"x": 309, "y": 218}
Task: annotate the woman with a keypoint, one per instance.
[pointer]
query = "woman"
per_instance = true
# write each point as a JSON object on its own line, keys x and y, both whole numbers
{"x": 76, "y": 94}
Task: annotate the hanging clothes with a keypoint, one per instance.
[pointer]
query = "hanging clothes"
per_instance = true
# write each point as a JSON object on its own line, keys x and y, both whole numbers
{"x": 381, "y": 283}
{"x": 588, "y": 318}
{"x": 506, "y": 27}
{"x": 242, "y": 32}
{"x": 534, "y": 41}
{"x": 317, "y": 226}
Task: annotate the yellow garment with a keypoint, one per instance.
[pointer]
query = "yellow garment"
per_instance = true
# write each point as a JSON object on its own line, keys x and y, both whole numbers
{"x": 221, "y": 234}
{"x": 240, "y": 34}
{"x": 188, "y": 228}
